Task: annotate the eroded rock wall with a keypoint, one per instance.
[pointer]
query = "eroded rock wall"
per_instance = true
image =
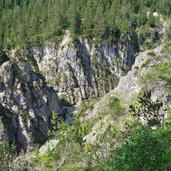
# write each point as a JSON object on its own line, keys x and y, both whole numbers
{"x": 80, "y": 69}
{"x": 31, "y": 79}
{"x": 26, "y": 105}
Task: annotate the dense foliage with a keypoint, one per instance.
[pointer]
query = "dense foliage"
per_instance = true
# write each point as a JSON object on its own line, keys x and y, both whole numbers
{"x": 143, "y": 149}
{"x": 5, "y": 156}
{"x": 34, "y": 21}
{"x": 140, "y": 147}
{"x": 149, "y": 111}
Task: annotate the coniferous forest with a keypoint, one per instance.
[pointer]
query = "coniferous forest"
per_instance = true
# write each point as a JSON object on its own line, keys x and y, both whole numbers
{"x": 35, "y": 21}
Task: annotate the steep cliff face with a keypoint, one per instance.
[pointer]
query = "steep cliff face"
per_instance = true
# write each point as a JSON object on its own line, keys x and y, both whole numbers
{"x": 31, "y": 78}
{"x": 104, "y": 118}
{"x": 26, "y": 105}
{"x": 79, "y": 69}
{"x": 149, "y": 73}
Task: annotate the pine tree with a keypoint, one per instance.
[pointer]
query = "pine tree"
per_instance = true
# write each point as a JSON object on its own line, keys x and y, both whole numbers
{"x": 74, "y": 18}
{"x": 148, "y": 110}
{"x": 99, "y": 22}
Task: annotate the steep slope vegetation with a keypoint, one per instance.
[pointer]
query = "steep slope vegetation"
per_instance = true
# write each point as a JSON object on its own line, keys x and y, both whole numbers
{"x": 56, "y": 54}
{"x": 77, "y": 70}
{"x": 100, "y": 124}
{"x": 35, "y": 22}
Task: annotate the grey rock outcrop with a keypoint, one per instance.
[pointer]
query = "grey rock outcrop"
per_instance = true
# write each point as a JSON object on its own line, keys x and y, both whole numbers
{"x": 26, "y": 105}
{"x": 80, "y": 69}
{"x": 31, "y": 78}
{"x": 135, "y": 82}
{"x": 130, "y": 87}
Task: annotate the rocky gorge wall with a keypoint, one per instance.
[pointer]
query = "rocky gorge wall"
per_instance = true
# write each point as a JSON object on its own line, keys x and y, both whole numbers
{"x": 26, "y": 105}
{"x": 79, "y": 70}
{"x": 32, "y": 78}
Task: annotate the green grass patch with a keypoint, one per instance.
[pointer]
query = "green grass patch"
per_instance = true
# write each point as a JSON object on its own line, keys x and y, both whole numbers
{"x": 161, "y": 70}
{"x": 167, "y": 48}
{"x": 145, "y": 64}
{"x": 151, "y": 53}
{"x": 76, "y": 167}
{"x": 87, "y": 104}
{"x": 115, "y": 106}
{"x": 64, "y": 97}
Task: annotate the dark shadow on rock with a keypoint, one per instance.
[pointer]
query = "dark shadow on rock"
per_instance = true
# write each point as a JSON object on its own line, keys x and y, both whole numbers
{"x": 3, "y": 57}
{"x": 12, "y": 129}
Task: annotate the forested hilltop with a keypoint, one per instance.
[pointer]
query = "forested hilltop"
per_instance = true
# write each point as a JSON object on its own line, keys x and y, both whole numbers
{"x": 35, "y": 21}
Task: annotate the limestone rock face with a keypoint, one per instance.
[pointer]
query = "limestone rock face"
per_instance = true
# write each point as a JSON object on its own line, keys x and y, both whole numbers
{"x": 80, "y": 69}
{"x": 31, "y": 78}
{"x": 129, "y": 87}
{"x": 26, "y": 105}
{"x": 135, "y": 82}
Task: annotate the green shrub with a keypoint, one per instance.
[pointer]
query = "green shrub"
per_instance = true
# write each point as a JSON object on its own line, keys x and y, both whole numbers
{"x": 145, "y": 64}
{"x": 161, "y": 70}
{"x": 151, "y": 53}
{"x": 6, "y": 156}
{"x": 143, "y": 149}
{"x": 148, "y": 110}
{"x": 58, "y": 78}
{"x": 87, "y": 104}
{"x": 115, "y": 106}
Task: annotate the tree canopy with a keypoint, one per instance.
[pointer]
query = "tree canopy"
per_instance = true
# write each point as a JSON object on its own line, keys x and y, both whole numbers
{"x": 35, "y": 21}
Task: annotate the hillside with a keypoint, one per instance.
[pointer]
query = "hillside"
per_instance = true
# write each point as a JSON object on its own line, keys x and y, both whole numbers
{"x": 85, "y": 85}
{"x": 35, "y": 22}
{"x": 100, "y": 124}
